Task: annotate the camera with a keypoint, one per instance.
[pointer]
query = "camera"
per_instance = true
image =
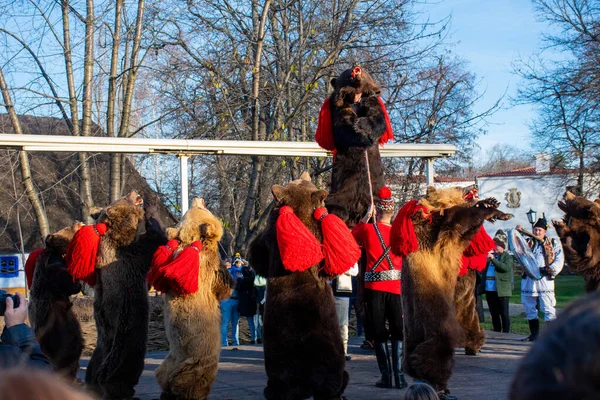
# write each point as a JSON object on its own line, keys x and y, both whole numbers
{"x": 3, "y": 296}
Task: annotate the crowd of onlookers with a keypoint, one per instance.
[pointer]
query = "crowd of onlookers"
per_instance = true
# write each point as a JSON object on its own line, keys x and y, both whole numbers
{"x": 247, "y": 300}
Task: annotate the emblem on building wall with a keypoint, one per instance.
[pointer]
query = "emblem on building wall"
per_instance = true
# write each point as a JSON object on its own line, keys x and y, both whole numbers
{"x": 513, "y": 197}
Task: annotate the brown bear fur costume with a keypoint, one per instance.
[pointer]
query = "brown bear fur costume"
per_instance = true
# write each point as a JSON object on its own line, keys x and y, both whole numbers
{"x": 121, "y": 297}
{"x": 579, "y": 234}
{"x": 193, "y": 322}
{"x": 444, "y": 223}
{"x": 357, "y": 127}
{"x": 55, "y": 325}
{"x": 304, "y": 354}
{"x": 466, "y": 313}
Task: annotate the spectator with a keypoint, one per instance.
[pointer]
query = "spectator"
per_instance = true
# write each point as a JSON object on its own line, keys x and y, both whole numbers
{"x": 25, "y": 384}
{"x": 498, "y": 286}
{"x": 419, "y": 391}
{"x": 229, "y": 311}
{"x": 260, "y": 286}
{"x": 564, "y": 363}
{"x": 342, "y": 290}
{"x": 550, "y": 259}
{"x": 479, "y": 291}
{"x": 247, "y": 297}
{"x": 18, "y": 347}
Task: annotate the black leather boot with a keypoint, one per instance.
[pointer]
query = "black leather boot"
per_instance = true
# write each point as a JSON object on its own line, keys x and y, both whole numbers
{"x": 399, "y": 380}
{"x": 534, "y": 328}
{"x": 384, "y": 365}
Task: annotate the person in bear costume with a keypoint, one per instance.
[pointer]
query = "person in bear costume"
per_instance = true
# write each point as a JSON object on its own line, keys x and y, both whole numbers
{"x": 474, "y": 259}
{"x": 55, "y": 325}
{"x": 353, "y": 123}
{"x": 186, "y": 271}
{"x": 432, "y": 234}
{"x": 299, "y": 251}
{"x": 114, "y": 258}
{"x": 579, "y": 233}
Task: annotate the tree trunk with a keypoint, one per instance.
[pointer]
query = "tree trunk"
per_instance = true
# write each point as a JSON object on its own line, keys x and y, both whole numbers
{"x": 86, "y": 123}
{"x": 115, "y": 164}
{"x": 30, "y": 189}
{"x": 257, "y": 162}
{"x": 127, "y": 101}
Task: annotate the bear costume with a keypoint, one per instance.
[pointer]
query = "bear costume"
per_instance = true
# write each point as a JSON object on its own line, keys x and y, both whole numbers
{"x": 579, "y": 233}
{"x": 351, "y": 127}
{"x": 474, "y": 259}
{"x": 189, "y": 277}
{"x": 432, "y": 235}
{"x": 304, "y": 353}
{"x": 55, "y": 325}
{"x": 114, "y": 258}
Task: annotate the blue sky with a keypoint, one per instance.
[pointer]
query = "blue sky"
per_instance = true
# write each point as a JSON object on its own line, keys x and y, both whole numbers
{"x": 490, "y": 35}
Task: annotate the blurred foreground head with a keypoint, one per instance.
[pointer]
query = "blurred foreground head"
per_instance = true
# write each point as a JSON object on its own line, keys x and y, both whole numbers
{"x": 564, "y": 363}
{"x": 25, "y": 384}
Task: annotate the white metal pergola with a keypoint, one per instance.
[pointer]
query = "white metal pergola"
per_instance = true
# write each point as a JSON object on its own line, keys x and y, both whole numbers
{"x": 183, "y": 148}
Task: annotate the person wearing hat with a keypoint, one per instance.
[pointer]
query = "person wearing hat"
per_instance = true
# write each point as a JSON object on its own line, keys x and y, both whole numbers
{"x": 550, "y": 258}
{"x": 382, "y": 288}
{"x": 498, "y": 285}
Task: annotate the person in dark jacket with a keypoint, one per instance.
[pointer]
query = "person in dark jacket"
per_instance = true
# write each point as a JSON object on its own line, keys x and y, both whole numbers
{"x": 18, "y": 347}
{"x": 247, "y": 297}
{"x": 479, "y": 292}
{"x": 498, "y": 286}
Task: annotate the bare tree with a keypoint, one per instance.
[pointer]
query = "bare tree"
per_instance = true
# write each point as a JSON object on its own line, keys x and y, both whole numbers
{"x": 31, "y": 190}
{"x": 566, "y": 92}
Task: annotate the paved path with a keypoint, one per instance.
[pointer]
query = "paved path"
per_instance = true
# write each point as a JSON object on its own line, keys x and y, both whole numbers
{"x": 242, "y": 375}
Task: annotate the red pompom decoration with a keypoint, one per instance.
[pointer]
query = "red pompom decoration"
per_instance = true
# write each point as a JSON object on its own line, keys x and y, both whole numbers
{"x": 298, "y": 247}
{"x": 162, "y": 256}
{"x": 82, "y": 252}
{"x": 403, "y": 238}
{"x": 388, "y": 134}
{"x": 340, "y": 247}
{"x": 324, "y": 135}
{"x": 180, "y": 275}
{"x": 30, "y": 265}
{"x": 384, "y": 193}
{"x": 481, "y": 243}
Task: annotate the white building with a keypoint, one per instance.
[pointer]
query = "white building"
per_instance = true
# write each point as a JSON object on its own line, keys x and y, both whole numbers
{"x": 538, "y": 188}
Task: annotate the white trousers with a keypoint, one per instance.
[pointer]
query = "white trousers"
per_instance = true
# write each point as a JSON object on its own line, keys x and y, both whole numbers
{"x": 341, "y": 308}
{"x": 547, "y": 306}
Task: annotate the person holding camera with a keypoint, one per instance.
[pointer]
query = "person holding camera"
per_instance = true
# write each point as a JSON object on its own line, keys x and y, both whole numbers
{"x": 550, "y": 258}
{"x": 18, "y": 346}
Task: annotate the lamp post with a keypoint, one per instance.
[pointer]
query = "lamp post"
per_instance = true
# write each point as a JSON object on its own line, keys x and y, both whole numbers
{"x": 531, "y": 217}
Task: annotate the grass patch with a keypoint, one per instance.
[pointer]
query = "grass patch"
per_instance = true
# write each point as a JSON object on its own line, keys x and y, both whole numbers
{"x": 567, "y": 288}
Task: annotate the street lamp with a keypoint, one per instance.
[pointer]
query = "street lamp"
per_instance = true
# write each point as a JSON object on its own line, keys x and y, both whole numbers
{"x": 531, "y": 217}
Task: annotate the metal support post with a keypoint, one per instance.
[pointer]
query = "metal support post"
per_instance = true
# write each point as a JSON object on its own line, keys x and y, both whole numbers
{"x": 429, "y": 171}
{"x": 183, "y": 173}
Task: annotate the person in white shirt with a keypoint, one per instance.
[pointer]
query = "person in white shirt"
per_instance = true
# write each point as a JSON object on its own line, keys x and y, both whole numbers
{"x": 550, "y": 258}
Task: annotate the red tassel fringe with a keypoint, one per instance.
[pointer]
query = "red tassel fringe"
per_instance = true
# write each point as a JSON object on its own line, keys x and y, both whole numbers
{"x": 475, "y": 256}
{"x": 324, "y": 135}
{"x": 181, "y": 274}
{"x": 340, "y": 247}
{"x": 298, "y": 247}
{"x": 30, "y": 265}
{"x": 82, "y": 252}
{"x": 162, "y": 256}
{"x": 481, "y": 243}
{"x": 388, "y": 134}
{"x": 403, "y": 239}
